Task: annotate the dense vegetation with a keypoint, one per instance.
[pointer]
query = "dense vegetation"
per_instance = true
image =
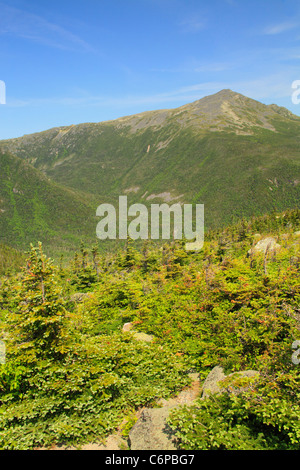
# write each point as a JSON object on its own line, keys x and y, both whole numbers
{"x": 11, "y": 259}
{"x": 33, "y": 207}
{"x": 72, "y": 375}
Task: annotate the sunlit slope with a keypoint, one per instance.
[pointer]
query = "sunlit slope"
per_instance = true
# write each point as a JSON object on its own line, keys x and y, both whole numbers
{"x": 233, "y": 154}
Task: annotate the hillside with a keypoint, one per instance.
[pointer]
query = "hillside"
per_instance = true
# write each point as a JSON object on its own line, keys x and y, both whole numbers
{"x": 32, "y": 207}
{"x": 10, "y": 259}
{"x": 74, "y": 374}
{"x": 233, "y": 154}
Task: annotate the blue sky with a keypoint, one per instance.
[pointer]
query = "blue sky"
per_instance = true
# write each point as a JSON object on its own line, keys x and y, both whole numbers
{"x": 66, "y": 62}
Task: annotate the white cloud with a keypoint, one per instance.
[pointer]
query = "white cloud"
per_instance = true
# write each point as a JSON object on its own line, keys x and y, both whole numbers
{"x": 270, "y": 87}
{"x": 196, "y": 65}
{"x": 280, "y": 28}
{"x": 192, "y": 25}
{"x": 214, "y": 67}
{"x": 19, "y": 23}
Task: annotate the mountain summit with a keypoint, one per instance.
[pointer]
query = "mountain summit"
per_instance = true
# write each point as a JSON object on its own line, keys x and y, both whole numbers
{"x": 222, "y": 111}
{"x": 233, "y": 154}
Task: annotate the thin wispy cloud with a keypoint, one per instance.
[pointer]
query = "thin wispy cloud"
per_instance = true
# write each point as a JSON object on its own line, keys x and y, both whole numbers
{"x": 197, "y": 66}
{"x": 265, "y": 87}
{"x": 280, "y": 28}
{"x": 86, "y": 99}
{"x": 214, "y": 67}
{"x": 192, "y": 25}
{"x": 25, "y": 25}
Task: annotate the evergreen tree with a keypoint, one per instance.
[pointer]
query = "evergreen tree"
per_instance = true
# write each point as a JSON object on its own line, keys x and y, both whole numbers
{"x": 95, "y": 254}
{"x": 37, "y": 311}
{"x": 131, "y": 254}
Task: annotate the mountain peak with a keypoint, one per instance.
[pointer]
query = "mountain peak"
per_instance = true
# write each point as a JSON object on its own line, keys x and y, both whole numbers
{"x": 226, "y": 92}
{"x": 225, "y": 95}
{"x": 197, "y": 153}
{"x": 232, "y": 111}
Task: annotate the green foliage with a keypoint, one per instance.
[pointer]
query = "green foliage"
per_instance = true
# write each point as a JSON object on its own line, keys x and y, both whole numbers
{"x": 265, "y": 418}
{"x": 85, "y": 396}
{"x": 72, "y": 374}
{"x": 10, "y": 260}
{"x": 36, "y": 311}
{"x": 32, "y": 207}
{"x": 62, "y": 383}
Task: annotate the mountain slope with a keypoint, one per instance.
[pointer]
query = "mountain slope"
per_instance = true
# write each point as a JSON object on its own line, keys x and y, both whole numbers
{"x": 235, "y": 155}
{"x": 10, "y": 259}
{"x": 34, "y": 208}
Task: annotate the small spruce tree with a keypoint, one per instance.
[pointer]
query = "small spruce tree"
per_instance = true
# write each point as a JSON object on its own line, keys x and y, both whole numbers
{"x": 37, "y": 313}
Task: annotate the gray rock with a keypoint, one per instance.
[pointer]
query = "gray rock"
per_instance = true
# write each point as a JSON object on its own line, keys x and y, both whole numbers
{"x": 295, "y": 260}
{"x": 256, "y": 237}
{"x": 151, "y": 432}
{"x": 2, "y": 352}
{"x": 80, "y": 296}
{"x": 268, "y": 243}
{"x": 127, "y": 327}
{"x": 213, "y": 382}
{"x": 140, "y": 336}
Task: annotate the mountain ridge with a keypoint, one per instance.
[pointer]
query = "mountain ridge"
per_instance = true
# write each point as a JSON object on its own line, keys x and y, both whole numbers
{"x": 233, "y": 154}
{"x": 205, "y": 103}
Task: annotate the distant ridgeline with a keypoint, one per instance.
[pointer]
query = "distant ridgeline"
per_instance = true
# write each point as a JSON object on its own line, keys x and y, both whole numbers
{"x": 235, "y": 155}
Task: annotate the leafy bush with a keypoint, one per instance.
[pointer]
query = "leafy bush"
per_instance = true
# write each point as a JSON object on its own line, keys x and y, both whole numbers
{"x": 258, "y": 420}
{"x": 85, "y": 396}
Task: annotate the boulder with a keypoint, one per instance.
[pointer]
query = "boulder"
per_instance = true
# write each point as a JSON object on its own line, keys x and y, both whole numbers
{"x": 80, "y": 296}
{"x": 127, "y": 327}
{"x": 268, "y": 243}
{"x": 213, "y": 383}
{"x": 151, "y": 432}
{"x": 256, "y": 237}
{"x": 295, "y": 260}
{"x": 139, "y": 336}
{"x": 2, "y": 352}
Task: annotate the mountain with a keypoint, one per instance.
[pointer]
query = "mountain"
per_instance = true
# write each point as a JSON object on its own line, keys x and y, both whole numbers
{"x": 11, "y": 260}
{"x": 231, "y": 153}
{"x": 33, "y": 208}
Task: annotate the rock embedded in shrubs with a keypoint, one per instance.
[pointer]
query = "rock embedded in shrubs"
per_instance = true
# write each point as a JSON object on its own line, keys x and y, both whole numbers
{"x": 264, "y": 245}
{"x": 139, "y": 336}
{"x": 213, "y": 382}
